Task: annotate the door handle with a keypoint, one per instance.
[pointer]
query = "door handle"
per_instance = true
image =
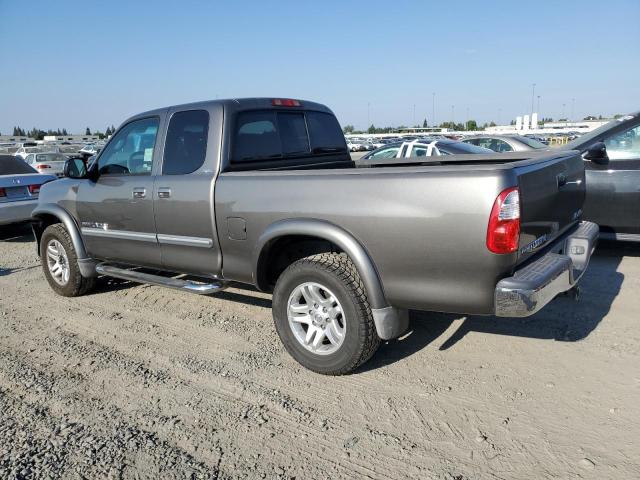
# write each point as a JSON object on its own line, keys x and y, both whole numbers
{"x": 164, "y": 192}
{"x": 139, "y": 192}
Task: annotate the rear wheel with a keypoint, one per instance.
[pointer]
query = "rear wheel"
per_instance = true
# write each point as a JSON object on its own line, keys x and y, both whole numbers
{"x": 322, "y": 315}
{"x": 60, "y": 263}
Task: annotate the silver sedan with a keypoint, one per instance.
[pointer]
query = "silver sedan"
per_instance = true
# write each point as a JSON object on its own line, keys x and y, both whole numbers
{"x": 19, "y": 188}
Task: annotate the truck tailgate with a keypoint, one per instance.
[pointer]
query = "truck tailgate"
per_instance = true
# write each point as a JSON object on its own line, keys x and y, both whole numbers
{"x": 552, "y": 193}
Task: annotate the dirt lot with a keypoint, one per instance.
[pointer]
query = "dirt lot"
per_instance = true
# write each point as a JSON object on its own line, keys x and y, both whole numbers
{"x": 142, "y": 382}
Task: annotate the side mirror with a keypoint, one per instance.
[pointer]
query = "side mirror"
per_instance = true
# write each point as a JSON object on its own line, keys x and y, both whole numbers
{"x": 75, "y": 168}
{"x": 597, "y": 153}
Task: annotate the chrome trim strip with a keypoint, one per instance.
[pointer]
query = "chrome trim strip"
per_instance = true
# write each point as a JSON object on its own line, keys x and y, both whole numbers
{"x": 186, "y": 241}
{"x": 122, "y": 234}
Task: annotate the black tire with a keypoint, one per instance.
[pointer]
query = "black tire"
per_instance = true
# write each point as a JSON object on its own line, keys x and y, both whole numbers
{"x": 336, "y": 272}
{"x": 77, "y": 284}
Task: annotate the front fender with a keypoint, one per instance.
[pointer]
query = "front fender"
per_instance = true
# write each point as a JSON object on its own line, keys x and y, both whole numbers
{"x": 45, "y": 211}
{"x": 51, "y": 209}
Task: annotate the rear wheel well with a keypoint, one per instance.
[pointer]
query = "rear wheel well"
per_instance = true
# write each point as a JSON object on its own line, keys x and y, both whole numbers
{"x": 281, "y": 252}
{"x": 39, "y": 225}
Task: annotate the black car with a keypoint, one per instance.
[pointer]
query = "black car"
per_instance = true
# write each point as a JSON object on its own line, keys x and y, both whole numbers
{"x": 612, "y": 155}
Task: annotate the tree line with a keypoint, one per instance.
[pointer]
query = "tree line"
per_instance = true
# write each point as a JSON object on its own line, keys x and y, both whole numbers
{"x": 468, "y": 125}
{"x": 39, "y": 134}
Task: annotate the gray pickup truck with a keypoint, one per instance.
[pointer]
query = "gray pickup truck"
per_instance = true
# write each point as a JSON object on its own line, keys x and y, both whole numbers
{"x": 263, "y": 192}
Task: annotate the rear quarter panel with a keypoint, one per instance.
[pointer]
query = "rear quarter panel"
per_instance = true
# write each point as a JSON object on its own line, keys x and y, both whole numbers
{"x": 424, "y": 227}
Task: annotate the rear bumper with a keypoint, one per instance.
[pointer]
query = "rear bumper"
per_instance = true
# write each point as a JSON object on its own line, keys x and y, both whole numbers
{"x": 557, "y": 271}
{"x": 18, "y": 211}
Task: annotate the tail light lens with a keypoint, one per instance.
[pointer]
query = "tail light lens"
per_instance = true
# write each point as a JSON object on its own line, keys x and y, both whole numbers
{"x": 34, "y": 189}
{"x": 42, "y": 166}
{"x": 503, "y": 233}
{"x": 3, "y": 192}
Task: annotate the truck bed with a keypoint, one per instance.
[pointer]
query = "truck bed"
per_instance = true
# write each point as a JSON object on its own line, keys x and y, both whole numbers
{"x": 423, "y": 223}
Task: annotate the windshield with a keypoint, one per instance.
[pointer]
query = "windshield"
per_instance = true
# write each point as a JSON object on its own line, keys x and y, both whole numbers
{"x": 10, "y": 165}
{"x": 461, "y": 148}
{"x": 532, "y": 142}
{"x": 585, "y": 139}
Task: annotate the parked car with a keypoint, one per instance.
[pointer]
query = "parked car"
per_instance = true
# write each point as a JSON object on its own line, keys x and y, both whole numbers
{"x": 420, "y": 148}
{"x": 47, "y": 163}
{"x": 263, "y": 192}
{"x": 19, "y": 188}
{"x": 506, "y": 143}
{"x": 354, "y": 146}
{"x": 612, "y": 162}
{"x": 22, "y": 152}
{"x": 90, "y": 149}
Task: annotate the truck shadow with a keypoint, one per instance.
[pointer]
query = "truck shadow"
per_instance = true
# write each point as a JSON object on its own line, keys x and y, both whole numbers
{"x": 18, "y": 232}
{"x": 563, "y": 320}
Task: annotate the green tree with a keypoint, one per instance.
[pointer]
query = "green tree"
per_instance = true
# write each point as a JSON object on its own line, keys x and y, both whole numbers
{"x": 87, "y": 131}
{"x": 345, "y": 129}
{"x": 472, "y": 125}
{"x": 425, "y": 124}
{"x": 492, "y": 124}
{"x": 371, "y": 129}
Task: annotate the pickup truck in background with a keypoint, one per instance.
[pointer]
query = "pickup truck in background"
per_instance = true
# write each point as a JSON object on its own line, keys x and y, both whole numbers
{"x": 612, "y": 163}
{"x": 263, "y": 192}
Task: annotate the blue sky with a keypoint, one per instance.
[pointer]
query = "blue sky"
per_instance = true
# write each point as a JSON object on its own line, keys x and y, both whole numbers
{"x": 76, "y": 64}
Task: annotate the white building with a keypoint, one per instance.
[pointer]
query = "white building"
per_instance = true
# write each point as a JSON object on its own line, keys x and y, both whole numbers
{"x": 527, "y": 125}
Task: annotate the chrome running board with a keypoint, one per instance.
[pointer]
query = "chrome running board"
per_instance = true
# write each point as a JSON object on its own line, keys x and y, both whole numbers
{"x": 177, "y": 283}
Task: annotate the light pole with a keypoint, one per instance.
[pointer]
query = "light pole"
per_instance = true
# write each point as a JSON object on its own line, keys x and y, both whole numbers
{"x": 538, "y": 105}
{"x": 533, "y": 94}
{"x": 563, "y": 109}
{"x": 368, "y": 114}
{"x": 452, "y": 116}
{"x": 466, "y": 123}
{"x": 433, "y": 109}
{"x": 414, "y": 114}
{"x": 573, "y": 104}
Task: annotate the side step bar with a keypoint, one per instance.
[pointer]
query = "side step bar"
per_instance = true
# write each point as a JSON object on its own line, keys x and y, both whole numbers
{"x": 177, "y": 283}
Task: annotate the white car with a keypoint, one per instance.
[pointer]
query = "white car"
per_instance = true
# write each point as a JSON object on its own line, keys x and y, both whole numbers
{"x": 22, "y": 152}
{"x": 354, "y": 146}
{"x": 51, "y": 163}
{"x": 417, "y": 148}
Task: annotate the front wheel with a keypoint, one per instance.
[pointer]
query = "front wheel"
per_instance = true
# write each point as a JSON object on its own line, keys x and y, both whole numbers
{"x": 60, "y": 263}
{"x": 322, "y": 315}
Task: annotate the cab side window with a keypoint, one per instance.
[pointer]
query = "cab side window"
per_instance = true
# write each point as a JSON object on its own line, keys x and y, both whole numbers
{"x": 130, "y": 152}
{"x": 186, "y": 145}
{"x": 624, "y": 145}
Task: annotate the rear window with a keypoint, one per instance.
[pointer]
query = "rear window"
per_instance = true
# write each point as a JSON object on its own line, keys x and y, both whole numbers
{"x": 274, "y": 134}
{"x": 50, "y": 157}
{"x": 10, "y": 165}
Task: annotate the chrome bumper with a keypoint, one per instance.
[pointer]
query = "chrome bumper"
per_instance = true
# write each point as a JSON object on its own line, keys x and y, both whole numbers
{"x": 539, "y": 282}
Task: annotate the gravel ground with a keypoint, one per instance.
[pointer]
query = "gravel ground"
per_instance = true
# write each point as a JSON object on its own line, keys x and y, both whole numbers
{"x": 137, "y": 381}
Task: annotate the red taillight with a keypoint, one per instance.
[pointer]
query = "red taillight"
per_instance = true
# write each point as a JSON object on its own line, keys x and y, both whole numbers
{"x": 3, "y": 192}
{"x": 34, "y": 189}
{"x": 285, "y": 102}
{"x": 42, "y": 165}
{"x": 503, "y": 233}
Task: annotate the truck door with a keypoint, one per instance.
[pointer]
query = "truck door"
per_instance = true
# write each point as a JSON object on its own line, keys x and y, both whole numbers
{"x": 613, "y": 190}
{"x": 116, "y": 211}
{"x": 184, "y": 194}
